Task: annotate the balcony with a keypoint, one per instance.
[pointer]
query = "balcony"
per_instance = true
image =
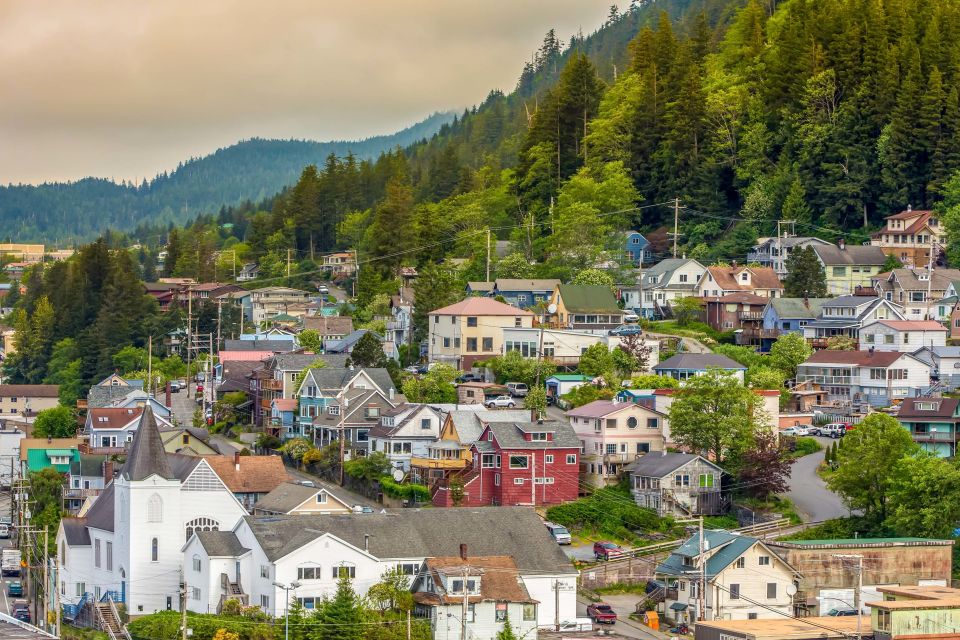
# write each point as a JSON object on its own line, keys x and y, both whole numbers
{"x": 446, "y": 464}
{"x": 822, "y": 379}
{"x": 823, "y": 343}
{"x": 108, "y": 451}
{"x": 932, "y": 436}
{"x": 622, "y": 458}
{"x": 750, "y": 315}
{"x": 271, "y": 384}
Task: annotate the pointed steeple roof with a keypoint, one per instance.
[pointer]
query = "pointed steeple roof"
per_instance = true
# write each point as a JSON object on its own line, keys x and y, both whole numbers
{"x": 147, "y": 455}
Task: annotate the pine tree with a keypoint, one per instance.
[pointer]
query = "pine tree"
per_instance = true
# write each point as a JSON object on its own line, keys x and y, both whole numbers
{"x": 795, "y": 205}
{"x": 806, "y": 277}
{"x": 341, "y": 617}
{"x": 507, "y": 632}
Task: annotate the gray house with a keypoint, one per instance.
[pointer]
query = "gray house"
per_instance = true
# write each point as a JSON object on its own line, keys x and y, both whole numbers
{"x": 678, "y": 484}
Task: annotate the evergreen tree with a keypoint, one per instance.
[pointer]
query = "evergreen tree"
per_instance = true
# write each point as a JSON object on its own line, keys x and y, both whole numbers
{"x": 368, "y": 352}
{"x": 806, "y": 277}
{"x": 341, "y": 617}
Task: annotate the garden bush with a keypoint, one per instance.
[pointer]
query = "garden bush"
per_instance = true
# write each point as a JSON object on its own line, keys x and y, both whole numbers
{"x": 409, "y": 491}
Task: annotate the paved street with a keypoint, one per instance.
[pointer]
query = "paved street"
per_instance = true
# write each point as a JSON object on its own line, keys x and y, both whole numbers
{"x": 624, "y": 605}
{"x": 184, "y": 405}
{"x": 810, "y": 494}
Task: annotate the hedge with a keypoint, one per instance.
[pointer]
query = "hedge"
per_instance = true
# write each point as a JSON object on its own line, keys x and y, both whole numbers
{"x": 166, "y": 624}
{"x": 411, "y": 492}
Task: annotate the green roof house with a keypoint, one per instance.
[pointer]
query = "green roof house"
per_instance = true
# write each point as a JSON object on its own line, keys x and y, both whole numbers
{"x": 37, "y": 454}
{"x": 586, "y": 307}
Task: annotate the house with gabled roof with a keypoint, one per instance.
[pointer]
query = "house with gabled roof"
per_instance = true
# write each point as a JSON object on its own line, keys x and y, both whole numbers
{"x": 293, "y": 498}
{"x": 636, "y": 247}
{"x": 279, "y": 377}
{"x": 745, "y": 579}
{"x": 876, "y": 378}
{"x": 677, "y": 484}
{"x": 517, "y": 463}
{"x": 661, "y": 284}
{"x": 585, "y": 307}
{"x": 471, "y": 330}
{"x": 524, "y": 293}
{"x": 128, "y": 546}
{"x": 845, "y": 315}
{"x": 405, "y": 431}
{"x": 915, "y": 290}
{"x": 315, "y": 550}
{"x": 110, "y": 430}
{"x": 325, "y": 386}
{"x": 773, "y": 252}
{"x": 350, "y": 416}
{"x": 902, "y": 335}
{"x": 686, "y": 365}
{"x": 613, "y": 434}
{"x": 719, "y": 281}
{"x": 849, "y": 267}
{"x": 932, "y": 423}
{"x": 908, "y": 236}
{"x": 249, "y": 477}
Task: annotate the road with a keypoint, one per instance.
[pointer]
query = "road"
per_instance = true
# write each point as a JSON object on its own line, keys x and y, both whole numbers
{"x": 624, "y": 605}
{"x": 809, "y": 493}
{"x": 184, "y": 405}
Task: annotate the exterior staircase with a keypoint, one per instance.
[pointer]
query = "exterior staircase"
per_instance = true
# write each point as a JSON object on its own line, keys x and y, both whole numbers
{"x": 108, "y": 621}
{"x": 230, "y": 590}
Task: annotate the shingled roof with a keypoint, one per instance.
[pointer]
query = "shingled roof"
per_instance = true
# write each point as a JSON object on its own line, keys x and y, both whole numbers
{"x": 147, "y": 456}
{"x": 588, "y": 298}
{"x": 423, "y": 533}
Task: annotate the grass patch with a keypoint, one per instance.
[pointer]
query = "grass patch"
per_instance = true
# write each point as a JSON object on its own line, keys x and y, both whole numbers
{"x": 610, "y": 513}
{"x": 619, "y": 587}
{"x": 853, "y": 527}
{"x": 776, "y": 504}
{"x": 75, "y": 633}
{"x": 720, "y": 522}
{"x": 804, "y": 447}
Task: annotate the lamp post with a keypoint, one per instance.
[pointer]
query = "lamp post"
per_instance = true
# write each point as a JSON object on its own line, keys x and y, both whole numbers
{"x": 286, "y": 607}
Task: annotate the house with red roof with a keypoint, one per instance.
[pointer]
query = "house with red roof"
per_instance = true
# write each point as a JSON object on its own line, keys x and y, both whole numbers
{"x": 111, "y": 429}
{"x": 721, "y": 281}
{"x": 908, "y": 236}
{"x": 877, "y": 378}
{"x": 471, "y": 330}
{"x": 902, "y": 335}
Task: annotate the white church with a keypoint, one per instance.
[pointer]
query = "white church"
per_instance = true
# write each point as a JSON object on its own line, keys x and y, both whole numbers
{"x": 129, "y": 544}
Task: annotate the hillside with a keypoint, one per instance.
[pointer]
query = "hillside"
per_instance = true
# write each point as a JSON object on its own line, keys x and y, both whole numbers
{"x": 250, "y": 170}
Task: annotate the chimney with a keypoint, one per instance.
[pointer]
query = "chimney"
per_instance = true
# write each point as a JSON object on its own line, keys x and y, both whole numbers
{"x": 841, "y": 244}
{"x": 169, "y": 402}
{"x": 870, "y": 353}
{"x": 107, "y": 470}
{"x": 236, "y": 460}
{"x": 909, "y": 207}
{"x": 391, "y": 393}
{"x": 366, "y": 542}
{"x": 49, "y": 440}
{"x": 463, "y": 551}
{"x": 733, "y": 264}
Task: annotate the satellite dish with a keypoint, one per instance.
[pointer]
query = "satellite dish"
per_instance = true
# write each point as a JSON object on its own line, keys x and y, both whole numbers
{"x": 551, "y": 308}
{"x": 791, "y": 589}
{"x": 398, "y": 475}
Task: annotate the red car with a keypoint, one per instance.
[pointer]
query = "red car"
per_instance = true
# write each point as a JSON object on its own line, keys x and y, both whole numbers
{"x": 601, "y": 613}
{"x": 606, "y": 550}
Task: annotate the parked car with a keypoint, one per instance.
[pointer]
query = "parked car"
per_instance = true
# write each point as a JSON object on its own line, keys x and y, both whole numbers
{"x": 603, "y": 550}
{"x": 414, "y": 369}
{"x": 470, "y": 377}
{"x": 4, "y": 531}
{"x": 15, "y": 588}
{"x": 602, "y": 613}
{"x": 307, "y": 483}
{"x": 501, "y": 401}
{"x": 832, "y": 430}
{"x": 626, "y": 330}
{"x": 200, "y": 377}
{"x": 359, "y": 508}
{"x": 21, "y": 610}
{"x": 631, "y": 317}
{"x": 323, "y": 290}
{"x": 559, "y": 533}
{"x": 796, "y": 431}
{"x": 842, "y": 611}
{"x": 517, "y": 389}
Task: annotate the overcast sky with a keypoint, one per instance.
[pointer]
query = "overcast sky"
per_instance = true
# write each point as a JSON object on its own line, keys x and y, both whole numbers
{"x": 124, "y": 89}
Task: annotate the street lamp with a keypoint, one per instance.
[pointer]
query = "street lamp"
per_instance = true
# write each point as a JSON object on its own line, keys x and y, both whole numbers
{"x": 286, "y": 607}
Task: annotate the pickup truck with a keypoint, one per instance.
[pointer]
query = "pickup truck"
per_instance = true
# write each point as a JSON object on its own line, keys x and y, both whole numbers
{"x": 606, "y": 550}
{"x": 15, "y": 589}
{"x": 602, "y": 613}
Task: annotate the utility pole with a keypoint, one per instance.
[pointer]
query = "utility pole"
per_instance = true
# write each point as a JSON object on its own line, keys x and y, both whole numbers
{"x": 219, "y": 310}
{"x": 189, "y": 337}
{"x": 676, "y": 224}
{"x": 150, "y": 366}
{"x": 463, "y": 613}
{"x": 56, "y": 594}
{"x": 488, "y": 254}
{"x": 183, "y": 605}
{"x": 701, "y": 592}
{"x": 288, "y": 264}
{"x": 640, "y": 283}
{"x": 46, "y": 574}
{"x": 929, "y": 277}
{"x": 556, "y": 605}
{"x": 857, "y": 586}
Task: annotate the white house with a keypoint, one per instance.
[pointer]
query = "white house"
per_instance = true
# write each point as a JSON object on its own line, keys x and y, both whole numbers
{"x": 565, "y": 346}
{"x": 114, "y": 427}
{"x": 905, "y": 336}
{"x": 130, "y": 543}
{"x": 744, "y": 579}
{"x": 406, "y": 431}
{"x": 944, "y": 362}
{"x": 314, "y": 550}
{"x": 865, "y": 377}
{"x": 9, "y": 454}
{"x": 845, "y": 315}
{"x": 662, "y": 283}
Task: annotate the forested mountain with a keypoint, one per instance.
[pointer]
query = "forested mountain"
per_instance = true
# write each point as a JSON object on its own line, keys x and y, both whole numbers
{"x": 250, "y": 170}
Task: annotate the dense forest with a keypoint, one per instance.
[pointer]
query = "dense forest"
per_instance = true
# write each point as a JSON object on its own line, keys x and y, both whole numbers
{"x": 63, "y": 213}
{"x": 832, "y": 113}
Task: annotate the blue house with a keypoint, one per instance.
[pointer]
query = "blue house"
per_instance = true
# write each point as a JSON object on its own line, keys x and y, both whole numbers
{"x": 791, "y": 315}
{"x": 636, "y": 246}
{"x": 519, "y": 293}
{"x": 282, "y": 411}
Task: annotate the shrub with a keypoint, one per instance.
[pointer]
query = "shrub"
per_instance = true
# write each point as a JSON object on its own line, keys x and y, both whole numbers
{"x": 411, "y": 492}
{"x": 610, "y": 511}
{"x": 806, "y": 446}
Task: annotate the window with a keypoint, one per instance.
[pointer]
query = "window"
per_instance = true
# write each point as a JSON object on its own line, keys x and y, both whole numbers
{"x": 529, "y": 612}
{"x": 734, "y": 591}
{"x": 308, "y": 573}
{"x": 488, "y": 344}
{"x": 705, "y": 480}
{"x": 611, "y": 448}
{"x": 264, "y": 602}
{"x": 81, "y": 588}
{"x": 548, "y": 459}
{"x": 888, "y": 338}
{"x": 154, "y": 550}
{"x": 471, "y": 321}
{"x": 496, "y": 479}
{"x": 185, "y": 439}
{"x": 751, "y": 616}
{"x": 109, "y": 556}
{"x": 771, "y": 590}
{"x": 611, "y": 423}
{"x": 333, "y": 410}
{"x": 653, "y": 423}
{"x": 869, "y": 338}
{"x": 683, "y": 277}
{"x": 681, "y": 480}
{"x": 632, "y": 422}
{"x": 643, "y": 447}
{"x": 501, "y": 612}
{"x": 486, "y": 461}
{"x": 519, "y": 462}
{"x": 740, "y": 563}
{"x": 839, "y": 272}
{"x": 571, "y": 458}
{"x": 322, "y": 498}
{"x": 471, "y": 344}
{"x": 446, "y": 343}
{"x": 343, "y": 570}
{"x": 196, "y": 563}
{"x": 96, "y": 553}
{"x": 683, "y": 586}
{"x": 764, "y": 561}
{"x": 408, "y": 568}
{"x": 265, "y": 571}
{"x": 518, "y": 481}
{"x": 539, "y": 436}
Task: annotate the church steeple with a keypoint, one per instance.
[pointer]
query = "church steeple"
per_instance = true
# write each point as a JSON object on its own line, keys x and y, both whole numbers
{"x": 147, "y": 456}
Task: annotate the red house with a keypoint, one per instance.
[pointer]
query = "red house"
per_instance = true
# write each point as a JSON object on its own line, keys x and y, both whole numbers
{"x": 517, "y": 463}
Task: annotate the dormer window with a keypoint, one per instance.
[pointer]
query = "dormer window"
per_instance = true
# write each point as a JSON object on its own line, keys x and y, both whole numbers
{"x": 539, "y": 436}
{"x": 923, "y": 276}
{"x": 928, "y": 406}
{"x": 744, "y": 277}
{"x": 333, "y": 410}
{"x": 456, "y": 586}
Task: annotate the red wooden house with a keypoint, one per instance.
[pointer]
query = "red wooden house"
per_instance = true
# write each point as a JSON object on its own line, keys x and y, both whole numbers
{"x": 517, "y": 463}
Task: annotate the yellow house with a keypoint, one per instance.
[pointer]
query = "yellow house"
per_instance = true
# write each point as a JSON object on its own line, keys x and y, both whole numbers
{"x": 586, "y": 307}
{"x": 301, "y": 499}
{"x": 472, "y": 330}
{"x": 849, "y": 267}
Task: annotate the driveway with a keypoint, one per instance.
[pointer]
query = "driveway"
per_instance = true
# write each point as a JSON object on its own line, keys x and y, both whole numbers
{"x": 814, "y": 501}
{"x": 624, "y": 605}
